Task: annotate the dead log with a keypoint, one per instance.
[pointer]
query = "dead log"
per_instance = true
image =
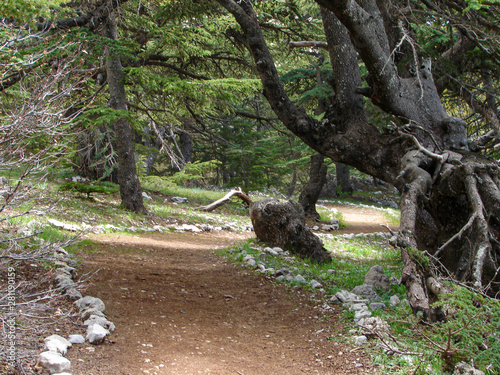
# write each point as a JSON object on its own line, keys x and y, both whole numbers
{"x": 235, "y": 192}
{"x": 283, "y": 224}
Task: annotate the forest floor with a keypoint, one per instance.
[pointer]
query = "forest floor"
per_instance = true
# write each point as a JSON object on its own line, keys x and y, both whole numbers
{"x": 181, "y": 309}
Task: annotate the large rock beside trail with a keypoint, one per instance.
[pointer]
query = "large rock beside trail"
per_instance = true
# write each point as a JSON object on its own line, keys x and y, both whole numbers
{"x": 89, "y": 302}
{"x": 377, "y": 277}
{"x": 366, "y": 291}
{"x": 54, "y": 362}
{"x": 56, "y": 343}
{"x": 283, "y": 224}
{"x": 96, "y": 334}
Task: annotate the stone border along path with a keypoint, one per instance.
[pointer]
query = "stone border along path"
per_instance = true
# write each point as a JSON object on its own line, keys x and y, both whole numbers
{"x": 91, "y": 311}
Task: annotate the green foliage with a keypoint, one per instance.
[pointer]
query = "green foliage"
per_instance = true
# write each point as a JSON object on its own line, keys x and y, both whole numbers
{"x": 27, "y": 10}
{"x": 479, "y": 4}
{"x": 419, "y": 257}
{"x": 103, "y": 187}
{"x": 471, "y": 331}
{"x": 195, "y": 171}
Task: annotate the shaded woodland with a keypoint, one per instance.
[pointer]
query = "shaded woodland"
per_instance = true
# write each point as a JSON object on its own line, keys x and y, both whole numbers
{"x": 261, "y": 94}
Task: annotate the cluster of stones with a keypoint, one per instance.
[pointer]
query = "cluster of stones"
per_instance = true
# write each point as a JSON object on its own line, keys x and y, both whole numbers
{"x": 334, "y": 225}
{"x": 363, "y": 299}
{"x": 283, "y": 274}
{"x": 98, "y": 327}
{"x": 64, "y": 275}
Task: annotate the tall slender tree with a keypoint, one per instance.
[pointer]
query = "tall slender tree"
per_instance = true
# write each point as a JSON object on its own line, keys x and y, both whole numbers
{"x": 130, "y": 187}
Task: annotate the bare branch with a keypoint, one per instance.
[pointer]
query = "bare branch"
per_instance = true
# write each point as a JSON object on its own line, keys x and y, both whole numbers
{"x": 235, "y": 192}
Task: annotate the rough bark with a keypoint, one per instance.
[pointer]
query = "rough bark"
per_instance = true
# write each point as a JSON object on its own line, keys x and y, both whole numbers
{"x": 185, "y": 146}
{"x": 130, "y": 187}
{"x": 343, "y": 178}
{"x": 311, "y": 192}
{"x": 293, "y": 183}
{"x": 283, "y": 224}
{"x": 449, "y": 196}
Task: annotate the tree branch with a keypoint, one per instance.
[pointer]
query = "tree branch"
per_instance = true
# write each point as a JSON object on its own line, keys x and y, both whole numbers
{"x": 235, "y": 192}
{"x": 309, "y": 44}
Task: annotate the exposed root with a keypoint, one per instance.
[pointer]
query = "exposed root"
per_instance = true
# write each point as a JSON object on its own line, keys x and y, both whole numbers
{"x": 484, "y": 245}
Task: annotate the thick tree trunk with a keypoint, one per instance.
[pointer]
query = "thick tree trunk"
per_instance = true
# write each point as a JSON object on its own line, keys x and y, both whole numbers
{"x": 343, "y": 174}
{"x": 130, "y": 188}
{"x": 283, "y": 224}
{"x": 310, "y": 194}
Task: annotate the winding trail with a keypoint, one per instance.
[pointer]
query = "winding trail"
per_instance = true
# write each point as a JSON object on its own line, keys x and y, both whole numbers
{"x": 181, "y": 309}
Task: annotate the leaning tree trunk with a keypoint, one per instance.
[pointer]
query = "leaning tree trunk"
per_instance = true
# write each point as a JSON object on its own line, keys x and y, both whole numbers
{"x": 130, "y": 187}
{"x": 311, "y": 192}
{"x": 450, "y": 200}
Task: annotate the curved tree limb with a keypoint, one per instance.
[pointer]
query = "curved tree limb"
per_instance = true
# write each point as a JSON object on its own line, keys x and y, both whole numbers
{"x": 235, "y": 192}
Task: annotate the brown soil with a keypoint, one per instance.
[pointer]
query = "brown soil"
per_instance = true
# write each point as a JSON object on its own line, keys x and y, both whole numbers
{"x": 181, "y": 309}
{"x": 362, "y": 219}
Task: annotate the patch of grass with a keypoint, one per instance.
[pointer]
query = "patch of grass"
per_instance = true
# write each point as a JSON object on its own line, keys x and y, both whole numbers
{"x": 329, "y": 214}
{"x": 353, "y": 258}
{"x": 53, "y": 234}
{"x": 351, "y": 261}
{"x": 393, "y": 216}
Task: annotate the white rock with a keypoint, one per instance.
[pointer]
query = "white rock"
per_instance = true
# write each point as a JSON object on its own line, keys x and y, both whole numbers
{"x": 96, "y": 334}
{"x": 315, "y": 284}
{"x": 179, "y": 200}
{"x": 87, "y": 313}
{"x": 69, "y": 227}
{"x": 300, "y": 279}
{"x": 370, "y": 326}
{"x": 270, "y": 251}
{"x": 361, "y": 314}
{"x": 189, "y": 228}
{"x": 54, "y": 362}
{"x": 146, "y": 196}
{"x": 360, "y": 340}
{"x": 358, "y": 307}
{"x": 103, "y": 322}
{"x": 394, "y": 300}
{"x": 56, "y": 343}
{"x": 345, "y": 296}
{"x": 88, "y": 302}
{"x": 76, "y": 339}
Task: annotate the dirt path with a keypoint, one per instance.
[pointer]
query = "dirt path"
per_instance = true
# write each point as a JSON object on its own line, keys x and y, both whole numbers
{"x": 180, "y": 309}
{"x": 362, "y": 219}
